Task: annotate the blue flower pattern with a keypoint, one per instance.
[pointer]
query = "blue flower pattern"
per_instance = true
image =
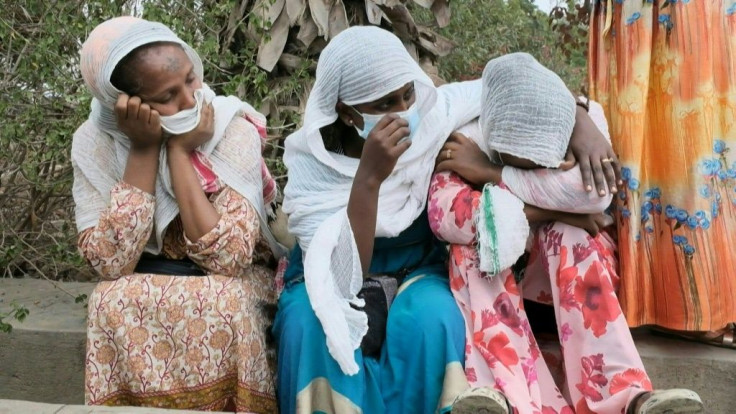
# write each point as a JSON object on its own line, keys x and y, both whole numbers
{"x": 717, "y": 177}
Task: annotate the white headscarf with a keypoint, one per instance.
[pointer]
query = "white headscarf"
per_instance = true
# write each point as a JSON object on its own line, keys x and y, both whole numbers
{"x": 527, "y": 110}
{"x": 360, "y": 65}
{"x": 100, "y": 150}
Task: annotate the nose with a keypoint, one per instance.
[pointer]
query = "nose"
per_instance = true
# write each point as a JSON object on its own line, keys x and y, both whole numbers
{"x": 187, "y": 101}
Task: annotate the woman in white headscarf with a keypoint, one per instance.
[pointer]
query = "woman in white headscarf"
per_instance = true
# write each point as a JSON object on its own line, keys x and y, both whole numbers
{"x": 486, "y": 210}
{"x": 359, "y": 172}
{"x": 171, "y": 198}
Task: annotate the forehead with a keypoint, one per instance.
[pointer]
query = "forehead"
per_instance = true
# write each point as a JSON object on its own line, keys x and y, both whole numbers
{"x": 398, "y": 92}
{"x": 161, "y": 65}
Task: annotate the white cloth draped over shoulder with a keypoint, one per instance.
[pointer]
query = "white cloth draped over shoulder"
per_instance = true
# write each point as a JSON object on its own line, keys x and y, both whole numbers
{"x": 100, "y": 150}
{"x": 360, "y": 65}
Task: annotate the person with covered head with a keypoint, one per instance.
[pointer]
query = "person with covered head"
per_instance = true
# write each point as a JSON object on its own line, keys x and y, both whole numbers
{"x": 498, "y": 192}
{"x": 172, "y": 199}
{"x": 367, "y": 322}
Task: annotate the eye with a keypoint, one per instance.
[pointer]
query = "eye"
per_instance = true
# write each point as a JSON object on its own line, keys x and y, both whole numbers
{"x": 409, "y": 94}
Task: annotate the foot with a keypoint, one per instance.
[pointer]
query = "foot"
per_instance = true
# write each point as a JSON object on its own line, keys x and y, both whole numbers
{"x": 672, "y": 401}
{"x": 481, "y": 400}
{"x": 723, "y": 338}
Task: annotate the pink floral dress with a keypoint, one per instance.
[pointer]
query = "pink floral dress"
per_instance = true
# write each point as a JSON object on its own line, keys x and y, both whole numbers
{"x": 567, "y": 269}
{"x": 180, "y": 341}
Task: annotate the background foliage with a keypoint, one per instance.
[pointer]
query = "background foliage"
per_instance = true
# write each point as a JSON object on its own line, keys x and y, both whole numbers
{"x": 43, "y": 100}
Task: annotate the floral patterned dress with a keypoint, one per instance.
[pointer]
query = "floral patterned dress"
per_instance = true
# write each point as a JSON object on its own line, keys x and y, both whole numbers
{"x": 567, "y": 269}
{"x": 180, "y": 341}
{"x": 664, "y": 70}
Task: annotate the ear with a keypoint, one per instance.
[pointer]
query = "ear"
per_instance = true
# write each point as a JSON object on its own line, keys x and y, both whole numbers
{"x": 348, "y": 115}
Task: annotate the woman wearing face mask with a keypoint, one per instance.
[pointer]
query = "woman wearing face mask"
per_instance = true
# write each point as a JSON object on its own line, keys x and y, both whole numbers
{"x": 359, "y": 172}
{"x": 171, "y": 199}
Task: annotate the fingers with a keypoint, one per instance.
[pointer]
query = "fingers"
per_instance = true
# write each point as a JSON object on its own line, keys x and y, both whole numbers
{"x": 386, "y": 121}
{"x": 155, "y": 118}
{"x": 121, "y": 107}
{"x": 610, "y": 173}
{"x": 458, "y": 137}
{"x": 401, "y": 148}
{"x": 616, "y": 164}
{"x": 134, "y": 105}
{"x": 598, "y": 177}
{"x": 398, "y": 135}
{"x": 585, "y": 172}
{"x": 144, "y": 113}
{"x": 569, "y": 161}
{"x": 390, "y": 130}
{"x": 446, "y": 165}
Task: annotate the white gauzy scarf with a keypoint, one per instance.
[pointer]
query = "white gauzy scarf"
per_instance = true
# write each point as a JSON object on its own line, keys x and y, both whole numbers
{"x": 360, "y": 65}
{"x": 100, "y": 150}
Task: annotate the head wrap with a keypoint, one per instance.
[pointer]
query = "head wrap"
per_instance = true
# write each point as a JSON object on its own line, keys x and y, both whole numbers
{"x": 527, "y": 110}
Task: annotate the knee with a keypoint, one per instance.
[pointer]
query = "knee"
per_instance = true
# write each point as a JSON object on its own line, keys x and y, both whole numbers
{"x": 426, "y": 313}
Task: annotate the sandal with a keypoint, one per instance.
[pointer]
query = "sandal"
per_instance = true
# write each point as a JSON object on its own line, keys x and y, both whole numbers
{"x": 723, "y": 338}
{"x": 672, "y": 401}
{"x": 481, "y": 400}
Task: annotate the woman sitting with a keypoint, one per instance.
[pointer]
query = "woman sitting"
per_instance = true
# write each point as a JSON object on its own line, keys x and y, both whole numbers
{"x": 526, "y": 122}
{"x": 171, "y": 198}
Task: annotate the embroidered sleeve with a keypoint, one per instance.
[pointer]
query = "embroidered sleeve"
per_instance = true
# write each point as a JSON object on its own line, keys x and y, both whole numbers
{"x": 450, "y": 208}
{"x": 114, "y": 246}
{"x": 228, "y": 248}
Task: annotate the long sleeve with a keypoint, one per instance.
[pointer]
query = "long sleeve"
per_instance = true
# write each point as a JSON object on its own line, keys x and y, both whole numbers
{"x": 556, "y": 190}
{"x": 228, "y": 248}
{"x": 450, "y": 208}
{"x": 115, "y": 244}
{"x": 463, "y": 101}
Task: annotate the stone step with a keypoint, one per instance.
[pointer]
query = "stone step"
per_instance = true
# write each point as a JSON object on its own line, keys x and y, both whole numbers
{"x": 28, "y": 407}
{"x": 42, "y": 360}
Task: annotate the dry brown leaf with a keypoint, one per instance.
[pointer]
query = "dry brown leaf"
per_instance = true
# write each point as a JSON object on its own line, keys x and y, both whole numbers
{"x": 293, "y": 62}
{"x": 389, "y": 3}
{"x": 295, "y": 9}
{"x": 401, "y": 21}
{"x": 270, "y": 13}
{"x": 320, "y": 10}
{"x": 307, "y": 30}
{"x": 433, "y": 43}
{"x": 270, "y": 51}
{"x": 373, "y": 11}
{"x": 441, "y": 10}
{"x": 424, "y": 3}
{"x": 338, "y": 19}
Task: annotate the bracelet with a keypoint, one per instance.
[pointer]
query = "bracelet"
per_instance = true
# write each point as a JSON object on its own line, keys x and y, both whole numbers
{"x": 582, "y": 104}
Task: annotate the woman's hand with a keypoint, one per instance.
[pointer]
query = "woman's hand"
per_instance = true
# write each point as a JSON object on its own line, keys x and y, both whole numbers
{"x": 589, "y": 148}
{"x": 189, "y": 141}
{"x": 463, "y": 156}
{"x": 382, "y": 149}
{"x": 140, "y": 123}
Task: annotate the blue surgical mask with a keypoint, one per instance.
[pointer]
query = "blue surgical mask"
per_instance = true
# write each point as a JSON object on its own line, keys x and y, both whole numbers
{"x": 411, "y": 116}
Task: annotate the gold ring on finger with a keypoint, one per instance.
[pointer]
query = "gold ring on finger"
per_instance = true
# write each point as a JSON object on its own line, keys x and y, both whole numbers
{"x": 449, "y": 154}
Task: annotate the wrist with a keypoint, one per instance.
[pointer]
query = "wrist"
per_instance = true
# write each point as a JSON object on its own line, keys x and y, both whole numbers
{"x": 145, "y": 150}
{"x": 366, "y": 182}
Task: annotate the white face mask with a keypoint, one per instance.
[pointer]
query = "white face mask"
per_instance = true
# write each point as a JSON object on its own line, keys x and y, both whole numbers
{"x": 411, "y": 115}
{"x": 188, "y": 119}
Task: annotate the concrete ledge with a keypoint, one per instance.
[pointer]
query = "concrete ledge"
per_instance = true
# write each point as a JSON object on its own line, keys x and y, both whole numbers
{"x": 43, "y": 358}
{"x": 26, "y": 407}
